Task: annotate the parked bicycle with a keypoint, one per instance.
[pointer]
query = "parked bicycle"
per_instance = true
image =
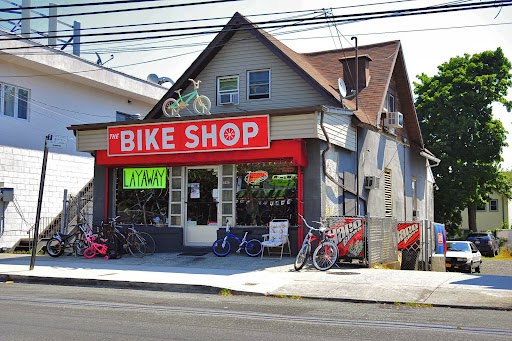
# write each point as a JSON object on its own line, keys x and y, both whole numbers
{"x": 221, "y": 247}
{"x": 138, "y": 244}
{"x": 96, "y": 248}
{"x": 77, "y": 241}
{"x": 325, "y": 254}
{"x": 202, "y": 105}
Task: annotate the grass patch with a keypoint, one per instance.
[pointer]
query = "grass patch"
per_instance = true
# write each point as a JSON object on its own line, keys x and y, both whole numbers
{"x": 225, "y": 292}
{"x": 505, "y": 254}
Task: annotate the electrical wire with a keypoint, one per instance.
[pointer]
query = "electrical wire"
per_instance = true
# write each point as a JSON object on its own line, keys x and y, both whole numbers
{"x": 283, "y": 23}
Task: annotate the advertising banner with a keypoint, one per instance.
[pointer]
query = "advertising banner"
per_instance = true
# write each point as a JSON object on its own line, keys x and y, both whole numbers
{"x": 408, "y": 235}
{"x": 236, "y": 133}
{"x": 349, "y": 234}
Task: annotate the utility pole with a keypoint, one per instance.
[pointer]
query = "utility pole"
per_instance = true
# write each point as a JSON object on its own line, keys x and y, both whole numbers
{"x": 39, "y": 204}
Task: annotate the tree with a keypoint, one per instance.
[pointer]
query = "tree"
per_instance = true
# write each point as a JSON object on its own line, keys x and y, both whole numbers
{"x": 454, "y": 109}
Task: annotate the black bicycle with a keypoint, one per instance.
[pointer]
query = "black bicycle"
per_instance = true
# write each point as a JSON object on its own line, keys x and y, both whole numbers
{"x": 77, "y": 241}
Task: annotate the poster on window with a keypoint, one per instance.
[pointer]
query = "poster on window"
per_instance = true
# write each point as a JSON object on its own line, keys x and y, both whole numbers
{"x": 195, "y": 192}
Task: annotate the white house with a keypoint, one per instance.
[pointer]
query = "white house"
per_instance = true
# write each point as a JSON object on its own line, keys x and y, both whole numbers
{"x": 43, "y": 91}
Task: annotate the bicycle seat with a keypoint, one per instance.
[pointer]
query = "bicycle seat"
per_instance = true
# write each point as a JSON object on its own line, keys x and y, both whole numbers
{"x": 178, "y": 91}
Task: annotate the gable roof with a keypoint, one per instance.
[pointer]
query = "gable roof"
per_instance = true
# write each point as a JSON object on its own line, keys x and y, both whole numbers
{"x": 321, "y": 70}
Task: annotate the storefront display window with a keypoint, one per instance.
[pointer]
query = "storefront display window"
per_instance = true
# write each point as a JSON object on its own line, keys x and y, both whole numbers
{"x": 142, "y": 195}
{"x": 266, "y": 191}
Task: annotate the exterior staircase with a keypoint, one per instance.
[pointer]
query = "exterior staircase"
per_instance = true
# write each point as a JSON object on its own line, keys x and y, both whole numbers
{"x": 75, "y": 209}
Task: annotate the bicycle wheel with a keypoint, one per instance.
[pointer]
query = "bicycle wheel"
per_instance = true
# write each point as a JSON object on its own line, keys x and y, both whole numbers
{"x": 149, "y": 241}
{"x": 221, "y": 248}
{"x": 302, "y": 257}
{"x": 171, "y": 108}
{"x": 325, "y": 255}
{"x": 136, "y": 246}
{"x": 253, "y": 247}
{"x": 89, "y": 252}
{"x": 202, "y": 105}
{"x": 55, "y": 247}
{"x": 79, "y": 247}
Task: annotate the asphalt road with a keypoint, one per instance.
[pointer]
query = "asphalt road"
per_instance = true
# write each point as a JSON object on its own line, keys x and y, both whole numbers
{"x": 44, "y": 312}
{"x": 496, "y": 267}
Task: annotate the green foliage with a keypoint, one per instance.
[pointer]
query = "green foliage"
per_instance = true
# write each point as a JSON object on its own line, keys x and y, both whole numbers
{"x": 454, "y": 109}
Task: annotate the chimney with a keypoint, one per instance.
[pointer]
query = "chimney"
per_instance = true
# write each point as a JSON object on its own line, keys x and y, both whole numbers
{"x": 349, "y": 71}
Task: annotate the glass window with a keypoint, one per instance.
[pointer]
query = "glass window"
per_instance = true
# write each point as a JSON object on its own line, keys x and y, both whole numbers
{"x": 14, "y": 101}
{"x": 481, "y": 207}
{"x": 391, "y": 103}
{"x": 493, "y": 205}
{"x": 147, "y": 206}
{"x": 227, "y": 90}
{"x": 266, "y": 191}
{"x": 9, "y": 92}
{"x": 22, "y": 104}
{"x": 258, "y": 84}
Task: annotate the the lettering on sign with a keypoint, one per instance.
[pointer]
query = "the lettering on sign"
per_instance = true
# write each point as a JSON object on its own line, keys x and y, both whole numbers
{"x": 349, "y": 236}
{"x": 192, "y": 136}
{"x": 408, "y": 234}
{"x": 142, "y": 178}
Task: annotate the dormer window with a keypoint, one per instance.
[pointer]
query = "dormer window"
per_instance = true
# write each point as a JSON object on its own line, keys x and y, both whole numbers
{"x": 258, "y": 84}
{"x": 228, "y": 90}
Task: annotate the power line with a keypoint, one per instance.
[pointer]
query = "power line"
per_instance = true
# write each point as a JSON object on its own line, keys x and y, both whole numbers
{"x": 306, "y": 21}
{"x": 99, "y": 3}
{"x": 206, "y": 2}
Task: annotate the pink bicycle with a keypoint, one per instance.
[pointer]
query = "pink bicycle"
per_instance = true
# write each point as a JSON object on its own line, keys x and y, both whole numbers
{"x": 95, "y": 248}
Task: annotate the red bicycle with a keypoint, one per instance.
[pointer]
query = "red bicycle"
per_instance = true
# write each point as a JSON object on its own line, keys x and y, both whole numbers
{"x": 95, "y": 248}
{"x": 325, "y": 254}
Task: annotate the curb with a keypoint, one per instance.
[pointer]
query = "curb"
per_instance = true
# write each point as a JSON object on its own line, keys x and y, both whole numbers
{"x": 207, "y": 289}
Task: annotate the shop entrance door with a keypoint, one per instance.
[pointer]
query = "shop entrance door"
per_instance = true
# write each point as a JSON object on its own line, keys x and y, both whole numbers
{"x": 201, "y": 206}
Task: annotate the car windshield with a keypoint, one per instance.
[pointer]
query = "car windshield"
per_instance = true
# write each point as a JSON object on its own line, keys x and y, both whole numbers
{"x": 454, "y": 246}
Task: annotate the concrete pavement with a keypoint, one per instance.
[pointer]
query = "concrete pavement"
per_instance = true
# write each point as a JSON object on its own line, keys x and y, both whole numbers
{"x": 245, "y": 275}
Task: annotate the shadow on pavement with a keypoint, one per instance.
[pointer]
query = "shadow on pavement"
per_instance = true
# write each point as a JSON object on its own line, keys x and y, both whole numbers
{"x": 489, "y": 281}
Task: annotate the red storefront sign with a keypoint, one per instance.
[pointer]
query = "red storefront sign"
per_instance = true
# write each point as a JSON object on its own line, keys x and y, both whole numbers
{"x": 236, "y": 133}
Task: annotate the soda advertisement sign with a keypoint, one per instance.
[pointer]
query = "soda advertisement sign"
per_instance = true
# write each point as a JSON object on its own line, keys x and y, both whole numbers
{"x": 349, "y": 236}
{"x": 408, "y": 234}
{"x": 236, "y": 133}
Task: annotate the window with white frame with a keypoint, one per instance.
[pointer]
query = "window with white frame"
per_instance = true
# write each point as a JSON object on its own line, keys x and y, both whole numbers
{"x": 258, "y": 84}
{"x": 227, "y": 90}
{"x": 391, "y": 103}
{"x": 493, "y": 205}
{"x": 14, "y": 101}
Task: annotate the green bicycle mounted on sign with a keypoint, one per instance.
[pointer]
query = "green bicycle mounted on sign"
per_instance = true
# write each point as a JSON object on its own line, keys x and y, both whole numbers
{"x": 202, "y": 104}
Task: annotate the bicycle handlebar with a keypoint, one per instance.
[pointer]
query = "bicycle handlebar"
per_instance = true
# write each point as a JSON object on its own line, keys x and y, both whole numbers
{"x": 322, "y": 227}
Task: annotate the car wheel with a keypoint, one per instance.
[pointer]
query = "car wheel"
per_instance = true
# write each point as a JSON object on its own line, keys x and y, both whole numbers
{"x": 497, "y": 252}
{"x": 477, "y": 269}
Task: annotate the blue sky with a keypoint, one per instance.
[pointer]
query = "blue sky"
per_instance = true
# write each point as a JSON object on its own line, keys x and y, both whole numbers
{"x": 427, "y": 40}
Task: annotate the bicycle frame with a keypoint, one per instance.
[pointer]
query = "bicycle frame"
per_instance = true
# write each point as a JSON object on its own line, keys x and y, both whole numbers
{"x": 184, "y": 100}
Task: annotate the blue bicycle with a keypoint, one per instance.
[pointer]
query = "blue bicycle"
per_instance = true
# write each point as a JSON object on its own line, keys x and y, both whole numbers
{"x": 222, "y": 246}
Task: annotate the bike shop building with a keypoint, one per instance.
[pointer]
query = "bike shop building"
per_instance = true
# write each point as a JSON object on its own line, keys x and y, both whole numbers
{"x": 330, "y": 133}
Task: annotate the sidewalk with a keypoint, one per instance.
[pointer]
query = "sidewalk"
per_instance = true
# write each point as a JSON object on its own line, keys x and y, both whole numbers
{"x": 245, "y": 275}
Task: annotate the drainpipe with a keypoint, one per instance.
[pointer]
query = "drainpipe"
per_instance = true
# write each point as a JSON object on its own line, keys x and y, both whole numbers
{"x": 431, "y": 158}
{"x": 357, "y": 74}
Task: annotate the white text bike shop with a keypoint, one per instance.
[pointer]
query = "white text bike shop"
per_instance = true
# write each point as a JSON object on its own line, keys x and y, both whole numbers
{"x": 182, "y": 178}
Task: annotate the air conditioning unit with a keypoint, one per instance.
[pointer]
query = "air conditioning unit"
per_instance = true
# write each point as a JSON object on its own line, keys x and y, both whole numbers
{"x": 371, "y": 182}
{"x": 228, "y": 99}
{"x": 394, "y": 119}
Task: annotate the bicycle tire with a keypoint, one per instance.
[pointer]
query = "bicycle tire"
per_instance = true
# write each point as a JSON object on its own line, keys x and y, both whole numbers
{"x": 136, "y": 247}
{"x": 325, "y": 255}
{"x": 253, "y": 247}
{"x": 170, "y": 108}
{"x": 89, "y": 252}
{"x": 54, "y": 247}
{"x": 79, "y": 247}
{"x": 219, "y": 250}
{"x": 302, "y": 257}
{"x": 202, "y": 105}
{"x": 150, "y": 243}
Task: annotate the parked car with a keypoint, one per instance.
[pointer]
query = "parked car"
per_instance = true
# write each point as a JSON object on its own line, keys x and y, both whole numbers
{"x": 486, "y": 243}
{"x": 463, "y": 256}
